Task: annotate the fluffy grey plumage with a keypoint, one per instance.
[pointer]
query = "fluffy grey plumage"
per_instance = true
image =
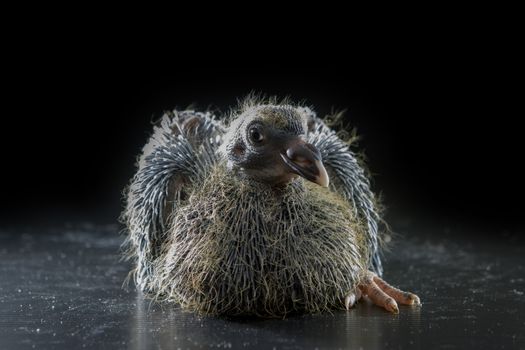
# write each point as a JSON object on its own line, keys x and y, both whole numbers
{"x": 220, "y": 222}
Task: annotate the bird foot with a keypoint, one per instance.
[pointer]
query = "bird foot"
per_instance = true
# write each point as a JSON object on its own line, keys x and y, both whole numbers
{"x": 381, "y": 294}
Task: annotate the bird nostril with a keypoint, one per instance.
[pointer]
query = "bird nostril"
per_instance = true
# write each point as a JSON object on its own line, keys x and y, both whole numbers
{"x": 290, "y": 152}
{"x": 303, "y": 161}
{"x": 298, "y": 158}
{"x": 303, "y": 152}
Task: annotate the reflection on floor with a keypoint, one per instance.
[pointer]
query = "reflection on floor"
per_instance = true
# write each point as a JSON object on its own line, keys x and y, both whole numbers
{"x": 63, "y": 289}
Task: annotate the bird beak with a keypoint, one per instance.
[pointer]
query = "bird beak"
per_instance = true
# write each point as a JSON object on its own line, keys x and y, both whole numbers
{"x": 304, "y": 160}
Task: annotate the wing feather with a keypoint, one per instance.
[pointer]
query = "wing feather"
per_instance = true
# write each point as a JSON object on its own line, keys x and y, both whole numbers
{"x": 179, "y": 154}
{"x": 350, "y": 181}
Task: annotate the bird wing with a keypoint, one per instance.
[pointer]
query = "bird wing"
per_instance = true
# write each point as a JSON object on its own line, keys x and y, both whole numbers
{"x": 179, "y": 154}
{"x": 349, "y": 179}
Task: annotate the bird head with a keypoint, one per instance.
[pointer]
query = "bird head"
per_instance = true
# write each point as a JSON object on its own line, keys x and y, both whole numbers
{"x": 268, "y": 143}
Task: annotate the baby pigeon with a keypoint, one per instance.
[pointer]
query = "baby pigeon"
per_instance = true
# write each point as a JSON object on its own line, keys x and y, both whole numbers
{"x": 264, "y": 212}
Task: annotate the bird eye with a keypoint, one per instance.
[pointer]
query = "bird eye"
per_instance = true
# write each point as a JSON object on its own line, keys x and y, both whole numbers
{"x": 256, "y": 136}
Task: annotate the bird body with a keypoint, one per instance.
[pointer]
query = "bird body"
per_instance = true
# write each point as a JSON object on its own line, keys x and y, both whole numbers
{"x": 240, "y": 217}
{"x": 242, "y": 247}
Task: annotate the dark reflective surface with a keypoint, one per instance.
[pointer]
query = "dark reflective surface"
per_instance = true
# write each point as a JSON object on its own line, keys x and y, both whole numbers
{"x": 63, "y": 290}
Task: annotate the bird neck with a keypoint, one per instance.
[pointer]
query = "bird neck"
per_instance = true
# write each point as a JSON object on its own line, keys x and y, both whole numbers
{"x": 275, "y": 187}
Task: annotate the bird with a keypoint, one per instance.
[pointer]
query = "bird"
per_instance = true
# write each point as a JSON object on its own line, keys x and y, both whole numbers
{"x": 265, "y": 210}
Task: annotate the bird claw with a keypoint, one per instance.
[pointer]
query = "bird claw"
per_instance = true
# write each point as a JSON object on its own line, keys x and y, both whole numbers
{"x": 352, "y": 298}
{"x": 350, "y": 301}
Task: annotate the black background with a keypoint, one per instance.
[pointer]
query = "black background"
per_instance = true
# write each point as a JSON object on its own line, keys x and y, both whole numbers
{"x": 436, "y": 112}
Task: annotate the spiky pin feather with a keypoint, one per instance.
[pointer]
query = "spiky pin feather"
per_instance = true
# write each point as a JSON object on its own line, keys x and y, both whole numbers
{"x": 265, "y": 211}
